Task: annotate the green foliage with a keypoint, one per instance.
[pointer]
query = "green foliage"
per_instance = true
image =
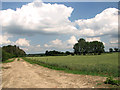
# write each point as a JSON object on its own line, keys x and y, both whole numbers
{"x": 105, "y": 64}
{"x": 110, "y": 50}
{"x": 6, "y": 56}
{"x": 11, "y": 51}
{"x": 18, "y": 59}
{"x": 99, "y": 84}
{"x": 7, "y": 61}
{"x": 83, "y": 47}
{"x": 116, "y": 49}
{"x": 55, "y": 53}
{"x": 68, "y": 53}
{"x": 110, "y": 80}
{"x": 14, "y": 50}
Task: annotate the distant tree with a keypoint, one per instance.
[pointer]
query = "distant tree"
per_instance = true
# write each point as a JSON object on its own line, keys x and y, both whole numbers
{"x": 54, "y": 53}
{"x": 67, "y": 52}
{"x": 119, "y": 50}
{"x": 97, "y": 47}
{"x": 76, "y": 48}
{"x": 72, "y": 54}
{"x": 116, "y": 49}
{"x": 83, "y": 47}
{"x": 110, "y": 50}
{"x": 46, "y": 53}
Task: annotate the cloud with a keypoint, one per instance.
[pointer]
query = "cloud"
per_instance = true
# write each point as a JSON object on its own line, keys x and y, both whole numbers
{"x": 61, "y": 45}
{"x": 25, "y": 49}
{"x": 34, "y": 49}
{"x": 114, "y": 41}
{"x": 72, "y": 40}
{"x": 111, "y": 45}
{"x": 38, "y": 46}
{"x": 57, "y": 42}
{"x": 41, "y": 18}
{"x": 22, "y": 42}
{"x": 93, "y": 39}
{"x": 105, "y": 23}
{"x": 54, "y": 43}
{"x": 37, "y": 18}
{"x": 46, "y": 45}
{"x": 4, "y": 39}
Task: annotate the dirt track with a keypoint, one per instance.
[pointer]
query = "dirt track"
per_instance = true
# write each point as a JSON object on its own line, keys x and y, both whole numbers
{"x": 20, "y": 74}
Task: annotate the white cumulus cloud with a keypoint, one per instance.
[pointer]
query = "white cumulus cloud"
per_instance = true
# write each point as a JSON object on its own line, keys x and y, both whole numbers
{"x": 56, "y": 42}
{"x": 95, "y": 39}
{"x": 38, "y": 45}
{"x": 4, "y": 39}
{"x": 37, "y": 17}
{"x": 61, "y": 45}
{"x": 22, "y": 42}
{"x": 105, "y": 23}
{"x": 72, "y": 40}
{"x": 45, "y": 18}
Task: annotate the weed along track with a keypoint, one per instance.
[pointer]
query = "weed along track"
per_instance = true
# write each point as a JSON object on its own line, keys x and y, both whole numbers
{"x": 21, "y": 74}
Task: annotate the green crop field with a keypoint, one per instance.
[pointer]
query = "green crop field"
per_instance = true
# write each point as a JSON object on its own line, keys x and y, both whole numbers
{"x": 103, "y": 65}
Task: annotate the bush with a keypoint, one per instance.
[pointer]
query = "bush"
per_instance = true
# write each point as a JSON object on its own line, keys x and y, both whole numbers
{"x": 110, "y": 80}
{"x": 18, "y": 59}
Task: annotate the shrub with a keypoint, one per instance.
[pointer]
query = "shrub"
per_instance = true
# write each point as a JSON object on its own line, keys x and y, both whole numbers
{"x": 110, "y": 80}
{"x": 18, "y": 59}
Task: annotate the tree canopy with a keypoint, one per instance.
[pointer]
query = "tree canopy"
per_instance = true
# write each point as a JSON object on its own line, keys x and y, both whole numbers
{"x": 11, "y": 51}
{"x": 83, "y": 47}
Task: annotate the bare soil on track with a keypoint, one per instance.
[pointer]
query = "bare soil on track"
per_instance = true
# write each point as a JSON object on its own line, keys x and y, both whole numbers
{"x": 21, "y": 74}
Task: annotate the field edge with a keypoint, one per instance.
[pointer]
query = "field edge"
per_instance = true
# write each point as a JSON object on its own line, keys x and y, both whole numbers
{"x": 63, "y": 69}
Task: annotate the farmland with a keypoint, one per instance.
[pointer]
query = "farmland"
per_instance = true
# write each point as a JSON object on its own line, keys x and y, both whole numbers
{"x": 103, "y": 65}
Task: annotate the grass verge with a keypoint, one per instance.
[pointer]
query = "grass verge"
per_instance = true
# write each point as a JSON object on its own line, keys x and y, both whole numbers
{"x": 7, "y": 61}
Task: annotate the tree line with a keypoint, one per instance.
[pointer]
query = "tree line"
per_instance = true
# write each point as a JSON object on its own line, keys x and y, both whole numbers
{"x": 114, "y": 50}
{"x": 57, "y": 53}
{"x": 11, "y": 51}
{"x": 82, "y": 47}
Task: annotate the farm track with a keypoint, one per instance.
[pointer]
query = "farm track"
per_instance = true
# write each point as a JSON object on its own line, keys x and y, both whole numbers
{"x": 21, "y": 74}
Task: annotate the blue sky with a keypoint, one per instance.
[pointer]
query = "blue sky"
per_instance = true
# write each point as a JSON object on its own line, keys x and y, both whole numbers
{"x": 35, "y": 42}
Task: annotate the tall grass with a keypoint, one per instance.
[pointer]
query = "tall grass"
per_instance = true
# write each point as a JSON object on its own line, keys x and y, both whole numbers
{"x": 104, "y": 65}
